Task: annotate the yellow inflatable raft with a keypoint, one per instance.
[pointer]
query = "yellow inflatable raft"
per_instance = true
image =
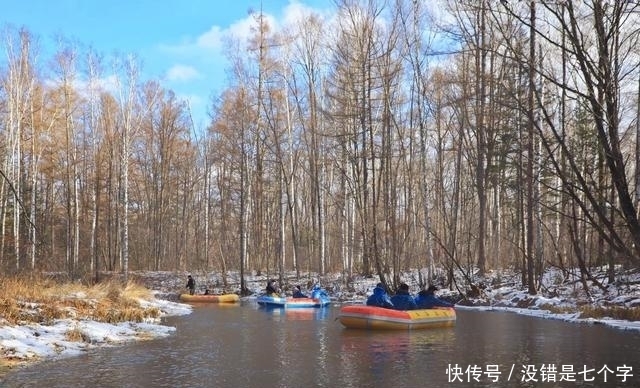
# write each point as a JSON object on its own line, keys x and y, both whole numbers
{"x": 379, "y": 318}
{"x": 224, "y": 298}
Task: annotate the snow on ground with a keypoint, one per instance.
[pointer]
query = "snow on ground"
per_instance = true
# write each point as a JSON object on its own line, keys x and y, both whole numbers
{"x": 501, "y": 293}
{"x": 560, "y": 297}
{"x": 568, "y": 317}
{"x": 68, "y": 337}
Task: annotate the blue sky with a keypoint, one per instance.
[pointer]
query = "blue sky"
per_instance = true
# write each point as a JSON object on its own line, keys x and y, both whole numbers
{"x": 177, "y": 41}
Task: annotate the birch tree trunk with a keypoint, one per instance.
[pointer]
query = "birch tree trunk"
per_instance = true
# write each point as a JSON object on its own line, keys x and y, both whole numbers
{"x": 18, "y": 87}
{"x": 128, "y": 121}
{"x": 530, "y": 213}
{"x": 93, "y": 64}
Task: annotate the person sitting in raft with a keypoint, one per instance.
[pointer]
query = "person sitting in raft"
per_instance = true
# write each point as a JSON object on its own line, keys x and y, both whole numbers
{"x": 318, "y": 292}
{"x": 379, "y": 297}
{"x": 297, "y": 293}
{"x": 272, "y": 288}
{"x": 191, "y": 285}
{"x": 426, "y": 299}
{"x": 403, "y": 300}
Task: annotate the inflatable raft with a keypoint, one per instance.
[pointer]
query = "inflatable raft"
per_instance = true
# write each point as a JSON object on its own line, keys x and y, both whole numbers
{"x": 224, "y": 298}
{"x": 277, "y": 301}
{"x": 379, "y": 318}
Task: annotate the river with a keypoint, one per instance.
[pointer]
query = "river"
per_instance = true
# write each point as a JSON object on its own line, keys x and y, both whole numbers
{"x": 246, "y": 345}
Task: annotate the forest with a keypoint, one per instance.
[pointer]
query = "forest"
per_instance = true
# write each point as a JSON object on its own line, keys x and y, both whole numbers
{"x": 388, "y": 136}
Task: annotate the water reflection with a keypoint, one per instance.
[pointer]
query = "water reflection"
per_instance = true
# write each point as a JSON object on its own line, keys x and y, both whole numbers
{"x": 391, "y": 354}
{"x": 249, "y": 346}
{"x": 295, "y": 314}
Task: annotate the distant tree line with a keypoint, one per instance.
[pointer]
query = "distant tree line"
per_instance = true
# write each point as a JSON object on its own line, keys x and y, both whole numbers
{"x": 387, "y": 136}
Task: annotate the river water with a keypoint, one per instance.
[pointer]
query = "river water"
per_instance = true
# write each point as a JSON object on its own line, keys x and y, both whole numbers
{"x": 249, "y": 346}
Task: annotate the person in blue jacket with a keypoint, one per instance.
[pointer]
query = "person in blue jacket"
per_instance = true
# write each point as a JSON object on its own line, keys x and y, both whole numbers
{"x": 426, "y": 299}
{"x": 379, "y": 297}
{"x": 403, "y": 300}
{"x": 318, "y": 292}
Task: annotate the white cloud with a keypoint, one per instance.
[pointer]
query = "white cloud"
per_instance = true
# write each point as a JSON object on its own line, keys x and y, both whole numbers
{"x": 211, "y": 39}
{"x": 182, "y": 73}
{"x": 244, "y": 29}
{"x": 210, "y": 45}
{"x": 198, "y": 62}
{"x": 296, "y": 12}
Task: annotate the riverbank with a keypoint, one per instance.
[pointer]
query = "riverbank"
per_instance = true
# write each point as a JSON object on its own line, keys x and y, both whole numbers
{"x": 43, "y": 319}
{"x": 562, "y": 295}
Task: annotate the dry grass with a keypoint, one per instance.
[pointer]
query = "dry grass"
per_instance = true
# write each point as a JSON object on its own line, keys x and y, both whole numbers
{"x": 597, "y": 312}
{"x": 554, "y": 309}
{"x": 75, "y": 335}
{"x": 615, "y": 312}
{"x": 41, "y": 300}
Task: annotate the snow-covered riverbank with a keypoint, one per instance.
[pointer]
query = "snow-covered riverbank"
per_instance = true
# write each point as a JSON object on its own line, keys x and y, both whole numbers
{"x": 68, "y": 337}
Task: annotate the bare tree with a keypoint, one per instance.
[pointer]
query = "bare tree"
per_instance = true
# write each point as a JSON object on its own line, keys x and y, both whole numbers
{"x": 305, "y": 89}
{"x": 353, "y": 88}
{"x": 18, "y": 86}
{"x": 599, "y": 36}
{"x": 132, "y": 115}
{"x": 423, "y": 100}
{"x": 94, "y": 70}
{"x": 530, "y": 160}
{"x": 66, "y": 68}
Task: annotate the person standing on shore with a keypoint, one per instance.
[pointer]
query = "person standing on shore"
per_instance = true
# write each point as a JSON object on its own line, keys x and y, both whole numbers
{"x": 191, "y": 285}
